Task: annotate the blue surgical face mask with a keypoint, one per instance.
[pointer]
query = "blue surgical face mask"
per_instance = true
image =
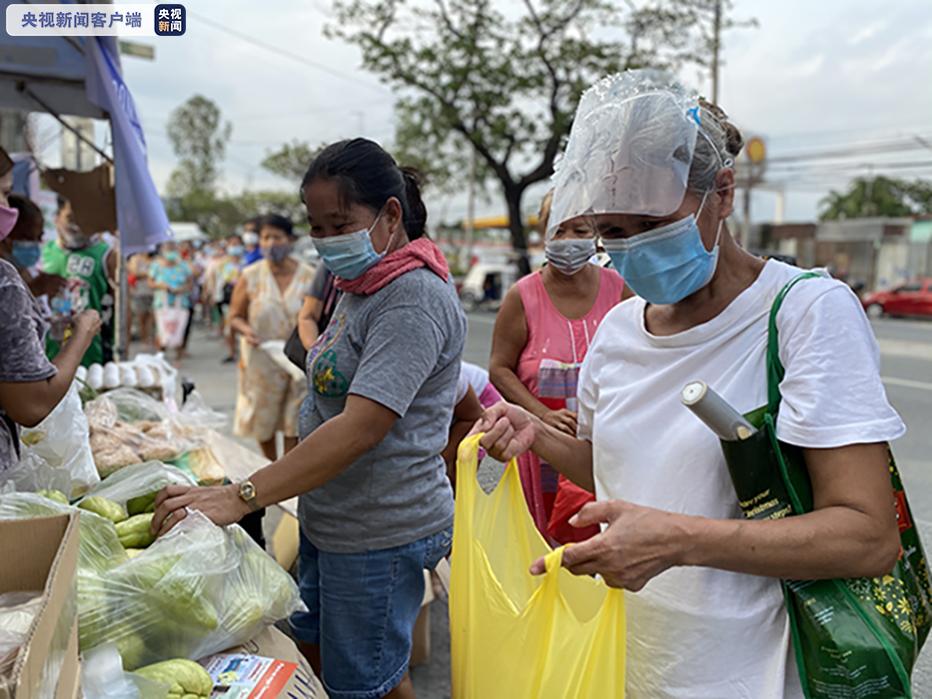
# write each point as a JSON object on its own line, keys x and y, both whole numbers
{"x": 276, "y": 253}
{"x": 665, "y": 265}
{"x": 26, "y": 253}
{"x": 349, "y": 256}
{"x": 569, "y": 255}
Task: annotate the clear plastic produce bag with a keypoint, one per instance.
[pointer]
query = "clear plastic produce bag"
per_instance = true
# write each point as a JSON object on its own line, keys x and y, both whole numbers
{"x": 57, "y": 453}
{"x": 195, "y": 591}
{"x": 99, "y": 547}
{"x": 135, "y": 487}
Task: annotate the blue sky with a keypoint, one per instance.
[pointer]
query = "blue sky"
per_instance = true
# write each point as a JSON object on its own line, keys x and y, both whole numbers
{"x": 814, "y": 75}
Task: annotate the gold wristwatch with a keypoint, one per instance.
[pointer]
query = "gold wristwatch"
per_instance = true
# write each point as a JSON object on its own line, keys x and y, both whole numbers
{"x": 247, "y": 493}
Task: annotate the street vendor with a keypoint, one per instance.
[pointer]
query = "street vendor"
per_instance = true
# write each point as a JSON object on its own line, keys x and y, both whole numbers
{"x": 652, "y": 166}
{"x": 376, "y": 508}
{"x": 30, "y": 385}
{"x": 89, "y": 264}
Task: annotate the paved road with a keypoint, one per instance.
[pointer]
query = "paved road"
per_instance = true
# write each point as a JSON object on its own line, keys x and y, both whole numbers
{"x": 906, "y": 365}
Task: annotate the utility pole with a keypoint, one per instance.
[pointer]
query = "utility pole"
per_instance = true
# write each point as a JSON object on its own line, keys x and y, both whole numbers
{"x": 716, "y": 44}
{"x": 470, "y": 201}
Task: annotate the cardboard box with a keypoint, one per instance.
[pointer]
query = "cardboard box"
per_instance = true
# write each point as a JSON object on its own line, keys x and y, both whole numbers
{"x": 42, "y": 554}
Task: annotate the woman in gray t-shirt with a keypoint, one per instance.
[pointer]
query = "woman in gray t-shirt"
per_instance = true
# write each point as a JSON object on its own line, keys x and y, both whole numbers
{"x": 30, "y": 385}
{"x": 376, "y": 508}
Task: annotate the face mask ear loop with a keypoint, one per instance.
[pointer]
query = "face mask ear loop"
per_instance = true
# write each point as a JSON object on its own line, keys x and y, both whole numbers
{"x": 391, "y": 236}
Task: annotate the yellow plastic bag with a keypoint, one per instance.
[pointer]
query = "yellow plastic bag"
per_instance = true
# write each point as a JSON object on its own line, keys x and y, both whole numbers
{"x": 513, "y": 635}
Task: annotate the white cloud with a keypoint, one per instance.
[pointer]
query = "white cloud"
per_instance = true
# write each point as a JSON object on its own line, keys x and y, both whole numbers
{"x": 812, "y": 73}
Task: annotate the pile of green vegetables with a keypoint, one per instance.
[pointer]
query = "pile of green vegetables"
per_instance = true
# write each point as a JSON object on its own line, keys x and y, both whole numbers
{"x": 197, "y": 590}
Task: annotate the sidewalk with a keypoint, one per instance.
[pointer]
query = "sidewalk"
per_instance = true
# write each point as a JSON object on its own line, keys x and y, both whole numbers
{"x": 217, "y": 382}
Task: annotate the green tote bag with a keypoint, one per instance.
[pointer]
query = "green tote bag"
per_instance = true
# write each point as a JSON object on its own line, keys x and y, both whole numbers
{"x": 856, "y": 638}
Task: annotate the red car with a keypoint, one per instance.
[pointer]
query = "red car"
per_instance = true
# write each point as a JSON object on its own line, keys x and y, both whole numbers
{"x": 911, "y": 299}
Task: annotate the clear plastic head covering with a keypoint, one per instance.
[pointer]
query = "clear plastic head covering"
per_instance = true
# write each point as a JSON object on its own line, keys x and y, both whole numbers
{"x": 629, "y": 150}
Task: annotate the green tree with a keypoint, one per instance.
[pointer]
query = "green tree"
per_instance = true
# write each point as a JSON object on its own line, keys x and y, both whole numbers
{"x": 877, "y": 196}
{"x": 291, "y": 160}
{"x": 507, "y": 83}
{"x": 285, "y": 203}
{"x": 199, "y": 138}
{"x": 220, "y": 216}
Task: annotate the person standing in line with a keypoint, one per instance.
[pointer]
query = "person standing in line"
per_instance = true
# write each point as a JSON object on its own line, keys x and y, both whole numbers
{"x": 172, "y": 281}
{"x": 319, "y": 304}
{"x": 230, "y": 272}
{"x": 142, "y": 296}
{"x": 252, "y": 251}
{"x": 266, "y": 301}
{"x": 89, "y": 267}
{"x": 542, "y": 333}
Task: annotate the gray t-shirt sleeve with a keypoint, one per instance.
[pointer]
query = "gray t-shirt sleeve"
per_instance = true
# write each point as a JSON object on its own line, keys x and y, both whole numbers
{"x": 22, "y": 355}
{"x": 401, "y": 351}
{"x": 317, "y": 285}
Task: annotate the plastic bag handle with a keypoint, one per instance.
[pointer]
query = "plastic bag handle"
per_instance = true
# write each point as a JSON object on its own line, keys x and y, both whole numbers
{"x": 553, "y": 561}
{"x": 468, "y": 453}
{"x": 775, "y": 370}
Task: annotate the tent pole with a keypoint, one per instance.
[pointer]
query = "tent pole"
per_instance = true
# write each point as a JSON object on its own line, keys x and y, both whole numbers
{"x": 122, "y": 311}
{"x": 51, "y": 112}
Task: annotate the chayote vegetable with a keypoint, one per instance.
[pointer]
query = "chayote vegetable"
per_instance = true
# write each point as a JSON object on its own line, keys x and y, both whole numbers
{"x": 184, "y": 677}
{"x": 141, "y": 504}
{"x": 136, "y": 532}
{"x": 104, "y": 507}
{"x": 55, "y": 495}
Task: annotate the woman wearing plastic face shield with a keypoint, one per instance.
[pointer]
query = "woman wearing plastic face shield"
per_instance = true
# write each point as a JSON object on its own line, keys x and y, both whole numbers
{"x": 542, "y": 333}
{"x": 651, "y": 164}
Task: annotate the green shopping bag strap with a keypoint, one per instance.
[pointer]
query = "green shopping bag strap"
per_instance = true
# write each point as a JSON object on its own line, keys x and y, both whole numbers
{"x": 775, "y": 370}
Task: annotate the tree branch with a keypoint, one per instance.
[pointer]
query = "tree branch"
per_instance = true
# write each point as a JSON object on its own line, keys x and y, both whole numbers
{"x": 444, "y": 15}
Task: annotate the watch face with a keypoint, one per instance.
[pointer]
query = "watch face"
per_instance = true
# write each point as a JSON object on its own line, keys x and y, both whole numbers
{"x": 247, "y": 491}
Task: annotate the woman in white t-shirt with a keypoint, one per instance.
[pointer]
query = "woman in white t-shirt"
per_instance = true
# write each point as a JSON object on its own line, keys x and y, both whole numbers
{"x": 652, "y": 165}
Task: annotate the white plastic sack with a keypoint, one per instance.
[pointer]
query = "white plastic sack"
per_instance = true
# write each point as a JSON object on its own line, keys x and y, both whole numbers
{"x": 103, "y": 677}
{"x": 58, "y": 448}
{"x": 170, "y": 325}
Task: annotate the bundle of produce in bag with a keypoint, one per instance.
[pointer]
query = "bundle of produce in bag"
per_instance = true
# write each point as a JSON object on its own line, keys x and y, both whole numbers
{"x": 195, "y": 591}
{"x": 129, "y": 427}
{"x": 99, "y": 548}
{"x": 135, "y": 487}
{"x": 56, "y": 453}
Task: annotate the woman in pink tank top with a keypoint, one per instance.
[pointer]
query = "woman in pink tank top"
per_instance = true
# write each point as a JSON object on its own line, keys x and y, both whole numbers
{"x": 541, "y": 337}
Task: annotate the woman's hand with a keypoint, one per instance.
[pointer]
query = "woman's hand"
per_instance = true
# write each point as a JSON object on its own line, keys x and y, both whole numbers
{"x": 86, "y": 324}
{"x": 563, "y": 420}
{"x": 509, "y": 431}
{"x": 220, "y": 503}
{"x": 638, "y": 544}
{"x": 251, "y": 337}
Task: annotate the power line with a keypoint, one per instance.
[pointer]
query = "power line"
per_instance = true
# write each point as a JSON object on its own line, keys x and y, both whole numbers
{"x": 850, "y": 150}
{"x": 282, "y": 52}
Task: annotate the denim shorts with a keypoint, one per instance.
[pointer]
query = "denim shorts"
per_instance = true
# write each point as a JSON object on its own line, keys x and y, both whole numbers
{"x": 361, "y": 611}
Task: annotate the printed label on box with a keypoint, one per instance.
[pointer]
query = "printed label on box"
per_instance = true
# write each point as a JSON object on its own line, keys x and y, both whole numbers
{"x": 238, "y": 676}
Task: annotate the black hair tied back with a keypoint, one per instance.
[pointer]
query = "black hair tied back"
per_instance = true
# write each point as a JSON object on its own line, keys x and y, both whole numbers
{"x": 366, "y": 174}
{"x": 282, "y": 223}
